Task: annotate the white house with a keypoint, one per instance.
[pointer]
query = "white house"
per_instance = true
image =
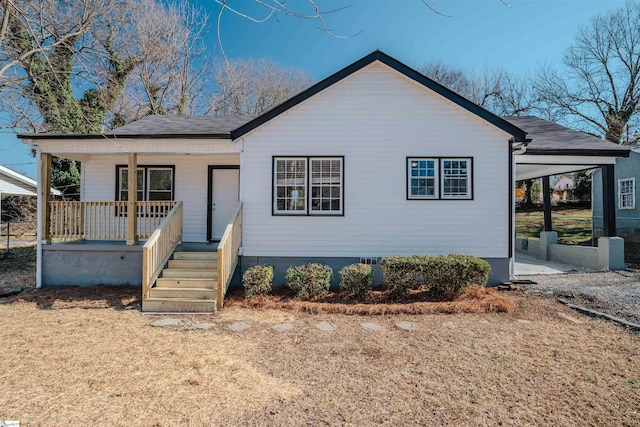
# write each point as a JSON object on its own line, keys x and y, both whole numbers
{"x": 375, "y": 160}
{"x": 13, "y": 183}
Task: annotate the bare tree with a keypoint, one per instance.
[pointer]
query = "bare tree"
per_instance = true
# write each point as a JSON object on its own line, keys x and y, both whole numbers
{"x": 251, "y": 87}
{"x": 599, "y": 84}
{"x": 172, "y": 77}
{"x": 496, "y": 90}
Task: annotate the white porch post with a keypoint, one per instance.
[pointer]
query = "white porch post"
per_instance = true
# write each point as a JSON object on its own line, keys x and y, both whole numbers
{"x": 39, "y": 219}
{"x": 132, "y": 191}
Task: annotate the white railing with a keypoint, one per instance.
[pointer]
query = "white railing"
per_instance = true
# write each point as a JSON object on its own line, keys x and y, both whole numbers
{"x": 157, "y": 250}
{"x": 228, "y": 249}
{"x": 104, "y": 220}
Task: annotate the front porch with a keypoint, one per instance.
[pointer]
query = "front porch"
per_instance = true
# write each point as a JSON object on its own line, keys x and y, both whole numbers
{"x": 101, "y": 242}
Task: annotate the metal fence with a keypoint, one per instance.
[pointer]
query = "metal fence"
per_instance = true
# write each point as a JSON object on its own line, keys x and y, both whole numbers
{"x": 17, "y": 233}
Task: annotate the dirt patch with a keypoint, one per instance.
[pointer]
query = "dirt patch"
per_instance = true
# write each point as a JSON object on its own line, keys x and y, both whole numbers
{"x": 66, "y": 364}
{"x": 474, "y": 300}
{"x": 18, "y": 266}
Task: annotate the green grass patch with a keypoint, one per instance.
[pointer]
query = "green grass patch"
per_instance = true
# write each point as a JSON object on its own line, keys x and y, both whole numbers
{"x": 573, "y": 225}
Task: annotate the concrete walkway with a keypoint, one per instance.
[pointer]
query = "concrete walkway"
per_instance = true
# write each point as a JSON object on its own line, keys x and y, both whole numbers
{"x": 526, "y": 265}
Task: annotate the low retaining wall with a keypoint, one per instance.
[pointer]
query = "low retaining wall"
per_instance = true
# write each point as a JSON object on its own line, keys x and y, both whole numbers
{"x": 608, "y": 255}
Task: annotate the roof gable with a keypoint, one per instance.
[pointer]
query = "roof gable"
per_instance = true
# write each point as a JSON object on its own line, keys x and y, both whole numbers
{"x": 517, "y": 133}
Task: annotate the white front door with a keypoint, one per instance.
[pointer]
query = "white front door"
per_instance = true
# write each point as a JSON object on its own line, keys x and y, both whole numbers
{"x": 225, "y": 192}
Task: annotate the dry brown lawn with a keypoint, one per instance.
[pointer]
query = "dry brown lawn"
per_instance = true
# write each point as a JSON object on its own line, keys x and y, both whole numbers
{"x": 91, "y": 358}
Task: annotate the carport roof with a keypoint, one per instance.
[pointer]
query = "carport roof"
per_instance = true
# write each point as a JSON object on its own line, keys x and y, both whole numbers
{"x": 548, "y": 138}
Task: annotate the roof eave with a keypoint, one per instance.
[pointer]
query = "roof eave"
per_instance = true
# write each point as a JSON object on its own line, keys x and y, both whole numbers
{"x": 579, "y": 152}
{"x": 132, "y": 136}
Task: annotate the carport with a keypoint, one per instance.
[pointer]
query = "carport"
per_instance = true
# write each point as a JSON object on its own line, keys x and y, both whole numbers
{"x": 554, "y": 149}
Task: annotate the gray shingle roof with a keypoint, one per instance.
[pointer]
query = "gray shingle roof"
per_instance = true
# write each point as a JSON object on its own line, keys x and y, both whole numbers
{"x": 219, "y": 127}
{"x": 182, "y": 125}
{"x": 552, "y": 138}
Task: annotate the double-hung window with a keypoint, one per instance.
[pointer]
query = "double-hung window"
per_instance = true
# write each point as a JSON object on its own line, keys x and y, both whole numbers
{"x": 308, "y": 185}
{"x": 627, "y": 193}
{"x": 439, "y": 178}
{"x": 153, "y": 183}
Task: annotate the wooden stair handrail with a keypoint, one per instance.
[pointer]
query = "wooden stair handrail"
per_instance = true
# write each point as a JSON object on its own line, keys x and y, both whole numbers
{"x": 228, "y": 250}
{"x": 159, "y": 247}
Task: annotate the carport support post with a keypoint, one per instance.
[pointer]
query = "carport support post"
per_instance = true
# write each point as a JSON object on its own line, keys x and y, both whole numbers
{"x": 132, "y": 192}
{"x": 608, "y": 201}
{"x": 547, "y": 236}
{"x": 546, "y": 203}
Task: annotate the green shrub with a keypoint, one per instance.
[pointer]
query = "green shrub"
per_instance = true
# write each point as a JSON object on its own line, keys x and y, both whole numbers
{"x": 309, "y": 279}
{"x": 450, "y": 275}
{"x": 445, "y": 276}
{"x": 356, "y": 279}
{"x": 400, "y": 274}
{"x": 258, "y": 279}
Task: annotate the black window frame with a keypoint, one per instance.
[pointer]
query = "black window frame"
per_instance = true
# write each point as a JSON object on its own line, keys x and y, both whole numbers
{"x": 439, "y": 175}
{"x": 307, "y": 211}
{"x": 145, "y": 190}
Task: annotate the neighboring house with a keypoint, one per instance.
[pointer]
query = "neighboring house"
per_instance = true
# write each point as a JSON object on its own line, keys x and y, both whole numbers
{"x": 13, "y": 183}
{"x": 563, "y": 188}
{"x": 626, "y": 178}
{"x": 376, "y": 160}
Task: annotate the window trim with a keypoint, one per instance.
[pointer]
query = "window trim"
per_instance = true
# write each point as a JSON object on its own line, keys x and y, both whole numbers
{"x": 307, "y": 211}
{"x": 632, "y": 193}
{"x": 145, "y": 190}
{"x": 440, "y": 178}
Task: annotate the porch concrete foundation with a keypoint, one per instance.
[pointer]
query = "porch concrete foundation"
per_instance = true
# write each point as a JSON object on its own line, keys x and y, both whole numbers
{"x": 499, "y": 267}
{"x": 608, "y": 255}
{"x": 87, "y": 264}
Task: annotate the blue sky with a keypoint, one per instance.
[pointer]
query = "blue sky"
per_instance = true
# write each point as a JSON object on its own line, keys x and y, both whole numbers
{"x": 478, "y": 34}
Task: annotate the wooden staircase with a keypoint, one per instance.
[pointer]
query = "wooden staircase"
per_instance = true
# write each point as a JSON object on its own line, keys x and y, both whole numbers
{"x": 189, "y": 284}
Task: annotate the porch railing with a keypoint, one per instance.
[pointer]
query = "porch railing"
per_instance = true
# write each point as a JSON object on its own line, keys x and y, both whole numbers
{"x": 228, "y": 249}
{"x": 157, "y": 250}
{"x": 104, "y": 220}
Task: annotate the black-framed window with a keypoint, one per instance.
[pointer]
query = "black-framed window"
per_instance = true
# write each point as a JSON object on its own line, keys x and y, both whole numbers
{"x": 439, "y": 178}
{"x": 153, "y": 183}
{"x": 308, "y": 185}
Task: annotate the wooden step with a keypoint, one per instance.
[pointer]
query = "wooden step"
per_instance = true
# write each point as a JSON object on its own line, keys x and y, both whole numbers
{"x": 208, "y": 256}
{"x": 199, "y": 273}
{"x": 183, "y": 282}
{"x": 179, "y": 305}
{"x": 193, "y": 264}
{"x": 191, "y": 293}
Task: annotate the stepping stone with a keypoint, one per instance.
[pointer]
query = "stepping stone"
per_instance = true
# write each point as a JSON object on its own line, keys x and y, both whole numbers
{"x": 370, "y": 327}
{"x": 450, "y": 325}
{"x": 570, "y": 318}
{"x": 524, "y": 321}
{"x": 281, "y": 327}
{"x": 326, "y": 326}
{"x": 169, "y": 321}
{"x": 202, "y": 326}
{"x": 239, "y": 326}
{"x": 407, "y": 326}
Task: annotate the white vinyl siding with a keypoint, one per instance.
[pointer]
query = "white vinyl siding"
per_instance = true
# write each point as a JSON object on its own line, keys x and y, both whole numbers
{"x": 190, "y": 183}
{"x": 627, "y": 193}
{"x": 377, "y": 119}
